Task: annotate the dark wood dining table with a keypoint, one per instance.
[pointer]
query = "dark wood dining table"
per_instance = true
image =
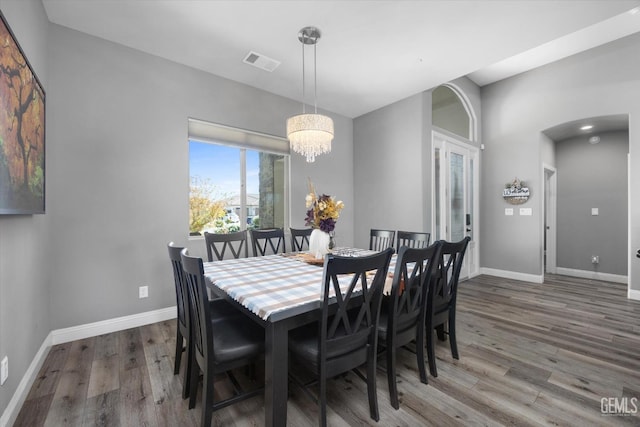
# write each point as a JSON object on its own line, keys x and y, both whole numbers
{"x": 280, "y": 292}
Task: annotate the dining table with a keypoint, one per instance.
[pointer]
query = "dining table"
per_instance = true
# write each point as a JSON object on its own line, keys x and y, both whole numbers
{"x": 280, "y": 292}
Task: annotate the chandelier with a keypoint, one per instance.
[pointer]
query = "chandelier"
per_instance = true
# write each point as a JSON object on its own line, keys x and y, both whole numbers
{"x": 310, "y": 134}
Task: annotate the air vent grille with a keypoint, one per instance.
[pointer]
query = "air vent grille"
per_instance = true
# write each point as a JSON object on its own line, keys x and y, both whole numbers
{"x": 261, "y": 61}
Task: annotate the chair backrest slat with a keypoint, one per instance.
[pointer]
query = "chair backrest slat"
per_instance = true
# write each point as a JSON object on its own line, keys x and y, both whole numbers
{"x": 182, "y": 295}
{"x": 445, "y": 281}
{"x": 217, "y": 244}
{"x": 409, "y": 289}
{"x": 262, "y": 240}
{"x": 300, "y": 239}
{"x": 412, "y": 239}
{"x": 350, "y": 317}
{"x": 380, "y": 240}
{"x": 201, "y": 327}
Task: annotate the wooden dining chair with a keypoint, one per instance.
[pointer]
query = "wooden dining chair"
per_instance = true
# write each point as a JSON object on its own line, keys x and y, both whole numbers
{"x": 217, "y": 244}
{"x": 380, "y": 240}
{"x": 441, "y": 299}
{"x": 183, "y": 331}
{"x": 346, "y": 335}
{"x": 222, "y": 341}
{"x": 300, "y": 239}
{"x": 412, "y": 239}
{"x": 268, "y": 241}
{"x": 402, "y": 315}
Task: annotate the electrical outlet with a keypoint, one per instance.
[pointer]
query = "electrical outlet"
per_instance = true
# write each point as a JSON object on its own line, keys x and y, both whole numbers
{"x": 595, "y": 259}
{"x": 143, "y": 292}
{"x": 4, "y": 374}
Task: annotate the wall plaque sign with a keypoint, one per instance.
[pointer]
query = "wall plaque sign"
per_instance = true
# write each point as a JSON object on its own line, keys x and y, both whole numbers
{"x": 515, "y": 192}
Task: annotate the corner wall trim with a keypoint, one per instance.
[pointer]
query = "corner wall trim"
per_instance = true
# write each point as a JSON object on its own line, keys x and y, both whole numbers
{"x": 525, "y": 277}
{"x": 633, "y": 294}
{"x": 73, "y": 333}
{"x": 585, "y": 274}
{"x": 13, "y": 408}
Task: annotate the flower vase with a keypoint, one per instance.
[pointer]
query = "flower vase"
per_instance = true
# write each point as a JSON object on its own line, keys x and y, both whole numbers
{"x": 332, "y": 240}
{"x": 319, "y": 243}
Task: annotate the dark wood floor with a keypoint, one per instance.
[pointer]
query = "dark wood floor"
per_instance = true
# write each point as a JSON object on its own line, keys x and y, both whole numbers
{"x": 530, "y": 354}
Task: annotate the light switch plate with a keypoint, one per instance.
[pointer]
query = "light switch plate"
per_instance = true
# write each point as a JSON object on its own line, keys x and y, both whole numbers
{"x": 508, "y": 211}
{"x": 526, "y": 211}
{"x": 595, "y": 212}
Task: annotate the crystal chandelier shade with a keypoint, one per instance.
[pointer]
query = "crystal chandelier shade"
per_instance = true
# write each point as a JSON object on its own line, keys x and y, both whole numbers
{"x": 310, "y": 134}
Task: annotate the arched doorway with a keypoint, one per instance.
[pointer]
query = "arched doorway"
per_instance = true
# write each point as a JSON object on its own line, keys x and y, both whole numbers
{"x": 455, "y": 172}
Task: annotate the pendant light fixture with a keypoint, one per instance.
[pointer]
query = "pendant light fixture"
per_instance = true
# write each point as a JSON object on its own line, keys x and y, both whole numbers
{"x": 310, "y": 134}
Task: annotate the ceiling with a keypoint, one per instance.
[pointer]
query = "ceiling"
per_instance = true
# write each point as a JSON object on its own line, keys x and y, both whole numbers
{"x": 371, "y": 54}
{"x": 598, "y": 125}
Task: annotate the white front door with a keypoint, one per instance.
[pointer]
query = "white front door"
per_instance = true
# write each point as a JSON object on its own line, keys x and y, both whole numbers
{"x": 455, "y": 200}
{"x": 549, "y": 232}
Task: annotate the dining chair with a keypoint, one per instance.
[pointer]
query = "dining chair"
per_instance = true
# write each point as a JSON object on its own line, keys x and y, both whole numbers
{"x": 345, "y": 338}
{"x": 403, "y": 312}
{"x": 272, "y": 238}
{"x": 222, "y": 341}
{"x": 413, "y": 239}
{"x": 380, "y": 240}
{"x": 300, "y": 238}
{"x": 217, "y": 244}
{"x": 183, "y": 331}
{"x": 441, "y": 299}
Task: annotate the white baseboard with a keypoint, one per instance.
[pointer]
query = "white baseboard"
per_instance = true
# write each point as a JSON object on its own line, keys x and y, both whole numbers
{"x": 112, "y": 325}
{"x": 633, "y": 294}
{"x": 585, "y": 274}
{"x": 60, "y": 336}
{"x": 525, "y": 277}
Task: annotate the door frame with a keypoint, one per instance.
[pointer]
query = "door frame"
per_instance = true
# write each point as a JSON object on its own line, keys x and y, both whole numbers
{"x": 443, "y": 142}
{"x": 549, "y": 209}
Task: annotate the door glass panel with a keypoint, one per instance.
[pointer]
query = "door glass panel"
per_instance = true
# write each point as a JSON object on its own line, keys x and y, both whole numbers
{"x": 457, "y": 207}
{"x": 471, "y": 201}
{"x": 436, "y": 188}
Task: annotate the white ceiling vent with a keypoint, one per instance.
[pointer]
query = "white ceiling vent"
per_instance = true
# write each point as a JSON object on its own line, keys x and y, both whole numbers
{"x": 261, "y": 61}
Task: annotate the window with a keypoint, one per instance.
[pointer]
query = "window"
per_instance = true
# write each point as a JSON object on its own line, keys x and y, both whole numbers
{"x": 239, "y": 179}
{"x": 449, "y": 112}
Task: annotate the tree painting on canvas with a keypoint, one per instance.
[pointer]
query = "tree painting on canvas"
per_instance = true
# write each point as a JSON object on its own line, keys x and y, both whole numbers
{"x": 22, "y": 130}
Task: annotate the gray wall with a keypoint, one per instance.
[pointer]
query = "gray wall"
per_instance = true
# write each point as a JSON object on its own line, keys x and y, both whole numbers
{"x": 597, "y": 82}
{"x": 392, "y": 166}
{"x": 389, "y": 181}
{"x": 24, "y": 283}
{"x": 547, "y": 151}
{"x": 118, "y": 182}
{"x": 593, "y": 176}
{"x": 118, "y": 170}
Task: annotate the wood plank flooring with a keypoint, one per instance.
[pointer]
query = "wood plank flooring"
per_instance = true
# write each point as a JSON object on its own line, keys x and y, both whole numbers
{"x": 530, "y": 355}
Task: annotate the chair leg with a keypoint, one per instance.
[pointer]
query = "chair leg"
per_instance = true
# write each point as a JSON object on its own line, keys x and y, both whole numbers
{"x": 452, "y": 336}
{"x": 371, "y": 383}
{"x": 207, "y": 398}
{"x": 420, "y": 357}
{"x": 440, "y": 332}
{"x": 186, "y": 382}
{"x": 193, "y": 384}
{"x": 391, "y": 376}
{"x": 431, "y": 353}
{"x": 178, "y": 357}
{"x": 322, "y": 401}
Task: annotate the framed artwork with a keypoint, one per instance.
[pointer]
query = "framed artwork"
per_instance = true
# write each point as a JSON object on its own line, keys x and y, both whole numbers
{"x": 22, "y": 130}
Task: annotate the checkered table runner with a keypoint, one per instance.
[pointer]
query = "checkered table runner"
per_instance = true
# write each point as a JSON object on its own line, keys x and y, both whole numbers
{"x": 272, "y": 283}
